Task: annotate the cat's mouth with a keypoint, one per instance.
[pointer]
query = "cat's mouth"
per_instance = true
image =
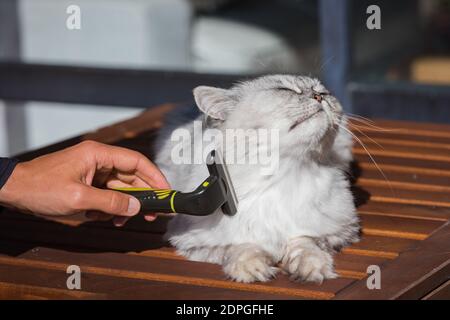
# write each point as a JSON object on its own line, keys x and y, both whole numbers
{"x": 304, "y": 118}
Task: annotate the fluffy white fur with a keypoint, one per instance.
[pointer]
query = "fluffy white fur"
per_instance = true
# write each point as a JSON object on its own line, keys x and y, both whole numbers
{"x": 297, "y": 217}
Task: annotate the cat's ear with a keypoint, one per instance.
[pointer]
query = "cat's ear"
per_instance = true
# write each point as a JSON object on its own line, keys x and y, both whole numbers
{"x": 214, "y": 102}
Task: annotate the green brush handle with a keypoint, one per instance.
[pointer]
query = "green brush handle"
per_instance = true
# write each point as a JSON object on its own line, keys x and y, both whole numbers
{"x": 202, "y": 201}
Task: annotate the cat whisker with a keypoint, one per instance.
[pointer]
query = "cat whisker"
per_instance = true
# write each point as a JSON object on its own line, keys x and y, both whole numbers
{"x": 369, "y": 126}
{"x": 367, "y": 123}
{"x": 370, "y": 156}
{"x": 360, "y": 117}
{"x": 372, "y": 140}
{"x": 325, "y": 63}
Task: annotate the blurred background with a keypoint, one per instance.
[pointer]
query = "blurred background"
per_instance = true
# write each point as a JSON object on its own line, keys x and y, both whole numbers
{"x": 57, "y": 82}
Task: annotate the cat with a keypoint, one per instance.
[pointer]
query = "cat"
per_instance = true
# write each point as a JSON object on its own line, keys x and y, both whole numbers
{"x": 292, "y": 220}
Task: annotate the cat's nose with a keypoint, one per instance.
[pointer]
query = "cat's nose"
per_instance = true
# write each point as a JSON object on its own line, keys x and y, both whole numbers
{"x": 317, "y": 97}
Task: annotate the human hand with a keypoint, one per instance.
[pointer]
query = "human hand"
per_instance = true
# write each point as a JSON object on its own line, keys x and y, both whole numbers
{"x": 69, "y": 181}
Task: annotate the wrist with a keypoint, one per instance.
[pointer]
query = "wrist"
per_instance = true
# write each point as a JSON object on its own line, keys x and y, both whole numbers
{"x": 9, "y": 193}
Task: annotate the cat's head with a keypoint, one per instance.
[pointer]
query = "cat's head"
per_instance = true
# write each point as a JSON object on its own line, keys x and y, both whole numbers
{"x": 305, "y": 114}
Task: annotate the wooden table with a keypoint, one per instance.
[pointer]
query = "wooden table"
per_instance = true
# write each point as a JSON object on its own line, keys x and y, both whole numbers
{"x": 406, "y": 232}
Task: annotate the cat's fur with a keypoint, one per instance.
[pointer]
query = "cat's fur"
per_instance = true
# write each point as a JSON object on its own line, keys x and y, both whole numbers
{"x": 298, "y": 216}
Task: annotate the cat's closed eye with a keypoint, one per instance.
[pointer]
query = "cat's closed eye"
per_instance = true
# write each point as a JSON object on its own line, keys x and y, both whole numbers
{"x": 288, "y": 90}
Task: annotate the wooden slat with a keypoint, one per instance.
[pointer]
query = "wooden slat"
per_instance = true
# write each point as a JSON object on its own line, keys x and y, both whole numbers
{"x": 405, "y": 153}
{"x": 111, "y": 239}
{"x": 10, "y": 291}
{"x": 412, "y": 125}
{"x": 355, "y": 265}
{"x": 395, "y": 185}
{"x": 118, "y": 240}
{"x": 405, "y": 180}
{"x": 144, "y": 268}
{"x": 392, "y": 138}
{"x": 347, "y": 266}
{"x": 397, "y": 195}
{"x": 406, "y": 127}
{"x": 386, "y": 138}
{"x": 378, "y": 246}
{"x": 405, "y": 211}
{"x": 342, "y": 261}
{"x": 397, "y": 227}
{"x": 395, "y": 168}
{"x": 413, "y": 274}
{"x": 411, "y": 227}
{"x": 118, "y": 288}
{"x": 440, "y": 293}
{"x": 94, "y": 243}
{"x": 148, "y": 120}
{"x": 413, "y": 165}
{"x": 123, "y": 240}
{"x": 420, "y": 150}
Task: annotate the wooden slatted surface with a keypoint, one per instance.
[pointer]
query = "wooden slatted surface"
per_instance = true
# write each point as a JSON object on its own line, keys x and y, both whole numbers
{"x": 404, "y": 214}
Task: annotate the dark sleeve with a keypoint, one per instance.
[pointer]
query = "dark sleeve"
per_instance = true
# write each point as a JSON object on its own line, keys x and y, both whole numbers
{"x": 6, "y": 168}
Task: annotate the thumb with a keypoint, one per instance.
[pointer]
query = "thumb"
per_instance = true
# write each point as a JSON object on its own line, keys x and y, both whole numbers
{"x": 112, "y": 202}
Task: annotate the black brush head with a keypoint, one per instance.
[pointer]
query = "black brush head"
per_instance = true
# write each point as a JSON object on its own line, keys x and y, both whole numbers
{"x": 217, "y": 167}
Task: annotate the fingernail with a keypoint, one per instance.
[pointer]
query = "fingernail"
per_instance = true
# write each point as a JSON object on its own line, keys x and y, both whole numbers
{"x": 150, "y": 218}
{"x": 120, "y": 221}
{"x": 133, "y": 206}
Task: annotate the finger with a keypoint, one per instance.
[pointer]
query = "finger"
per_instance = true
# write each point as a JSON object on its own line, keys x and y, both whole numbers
{"x": 131, "y": 161}
{"x": 150, "y": 217}
{"x": 115, "y": 183}
{"x": 98, "y": 216}
{"x": 120, "y": 221}
{"x": 92, "y": 215}
{"x": 124, "y": 181}
{"x": 108, "y": 201}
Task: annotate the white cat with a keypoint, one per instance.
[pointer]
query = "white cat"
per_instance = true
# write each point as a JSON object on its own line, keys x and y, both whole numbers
{"x": 295, "y": 218}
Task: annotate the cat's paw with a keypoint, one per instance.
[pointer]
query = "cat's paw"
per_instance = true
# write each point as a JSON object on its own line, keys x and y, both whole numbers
{"x": 249, "y": 265}
{"x": 309, "y": 264}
